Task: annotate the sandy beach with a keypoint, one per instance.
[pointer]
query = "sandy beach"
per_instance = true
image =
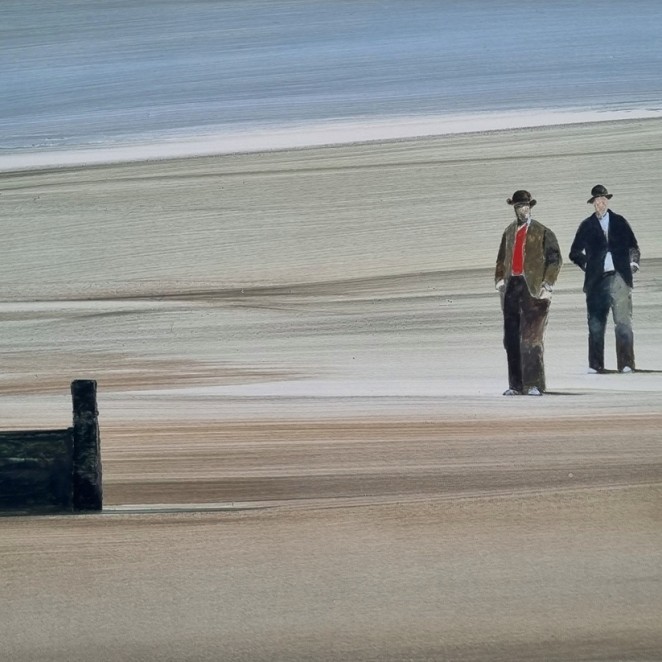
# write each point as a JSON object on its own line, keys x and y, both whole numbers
{"x": 306, "y": 452}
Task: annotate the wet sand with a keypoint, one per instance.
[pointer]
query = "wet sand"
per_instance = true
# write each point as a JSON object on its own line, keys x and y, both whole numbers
{"x": 306, "y": 454}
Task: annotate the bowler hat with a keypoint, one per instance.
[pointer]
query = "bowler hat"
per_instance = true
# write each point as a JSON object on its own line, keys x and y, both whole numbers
{"x": 521, "y": 198}
{"x": 599, "y": 191}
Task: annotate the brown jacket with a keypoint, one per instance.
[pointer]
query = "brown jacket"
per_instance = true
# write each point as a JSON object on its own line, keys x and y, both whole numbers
{"x": 542, "y": 257}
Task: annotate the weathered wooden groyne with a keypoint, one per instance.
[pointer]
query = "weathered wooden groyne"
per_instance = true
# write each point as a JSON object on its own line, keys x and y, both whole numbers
{"x": 43, "y": 471}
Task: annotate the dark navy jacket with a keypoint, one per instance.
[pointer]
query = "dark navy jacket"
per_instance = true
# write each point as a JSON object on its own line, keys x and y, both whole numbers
{"x": 590, "y": 246}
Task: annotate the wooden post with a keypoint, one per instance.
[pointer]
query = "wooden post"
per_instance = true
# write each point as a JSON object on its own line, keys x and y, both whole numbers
{"x": 88, "y": 493}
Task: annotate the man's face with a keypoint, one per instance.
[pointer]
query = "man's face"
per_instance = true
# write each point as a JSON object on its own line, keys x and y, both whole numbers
{"x": 600, "y": 205}
{"x": 522, "y": 212}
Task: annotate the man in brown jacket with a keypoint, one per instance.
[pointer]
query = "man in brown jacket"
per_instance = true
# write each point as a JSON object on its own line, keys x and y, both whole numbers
{"x": 528, "y": 263}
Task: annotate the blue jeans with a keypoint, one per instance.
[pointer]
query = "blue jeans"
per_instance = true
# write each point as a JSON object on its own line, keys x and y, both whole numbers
{"x": 610, "y": 293}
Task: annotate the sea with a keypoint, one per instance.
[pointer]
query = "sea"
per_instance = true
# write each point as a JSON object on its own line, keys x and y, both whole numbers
{"x": 85, "y": 81}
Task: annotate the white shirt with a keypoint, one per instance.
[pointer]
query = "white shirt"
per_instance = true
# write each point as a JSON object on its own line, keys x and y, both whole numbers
{"x": 604, "y": 222}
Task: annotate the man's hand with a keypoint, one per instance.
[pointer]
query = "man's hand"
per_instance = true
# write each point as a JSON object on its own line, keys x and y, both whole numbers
{"x": 500, "y": 285}
{"x": 634, "y": 266}
{"x": 545, "y": 292}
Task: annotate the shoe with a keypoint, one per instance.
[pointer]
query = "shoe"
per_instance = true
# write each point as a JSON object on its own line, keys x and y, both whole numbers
{"x": 595, "y": 371}
{"x": 512, "y": 391}
{"x": 627, "y": 369}
{"x": 533, "y": 391}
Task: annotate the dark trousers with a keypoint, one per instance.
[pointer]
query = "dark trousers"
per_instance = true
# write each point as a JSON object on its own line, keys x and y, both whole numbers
{"x": 524, "y": 321}
{"x": 610, "y": 293}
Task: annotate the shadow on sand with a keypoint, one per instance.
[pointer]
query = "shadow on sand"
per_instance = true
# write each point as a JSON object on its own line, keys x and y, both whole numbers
{"x": 605, "y": 371}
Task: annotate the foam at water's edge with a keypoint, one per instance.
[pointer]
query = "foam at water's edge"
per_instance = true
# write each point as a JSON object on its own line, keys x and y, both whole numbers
{"x": 296, "y": 136}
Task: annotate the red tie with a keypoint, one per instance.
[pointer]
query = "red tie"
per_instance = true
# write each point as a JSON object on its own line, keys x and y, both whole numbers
{"x": 518, "y": 251}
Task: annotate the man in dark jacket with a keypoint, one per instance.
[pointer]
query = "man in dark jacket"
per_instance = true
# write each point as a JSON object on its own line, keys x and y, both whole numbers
{"x": 606, "y": 249}
{"x": 528, "y": 262}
